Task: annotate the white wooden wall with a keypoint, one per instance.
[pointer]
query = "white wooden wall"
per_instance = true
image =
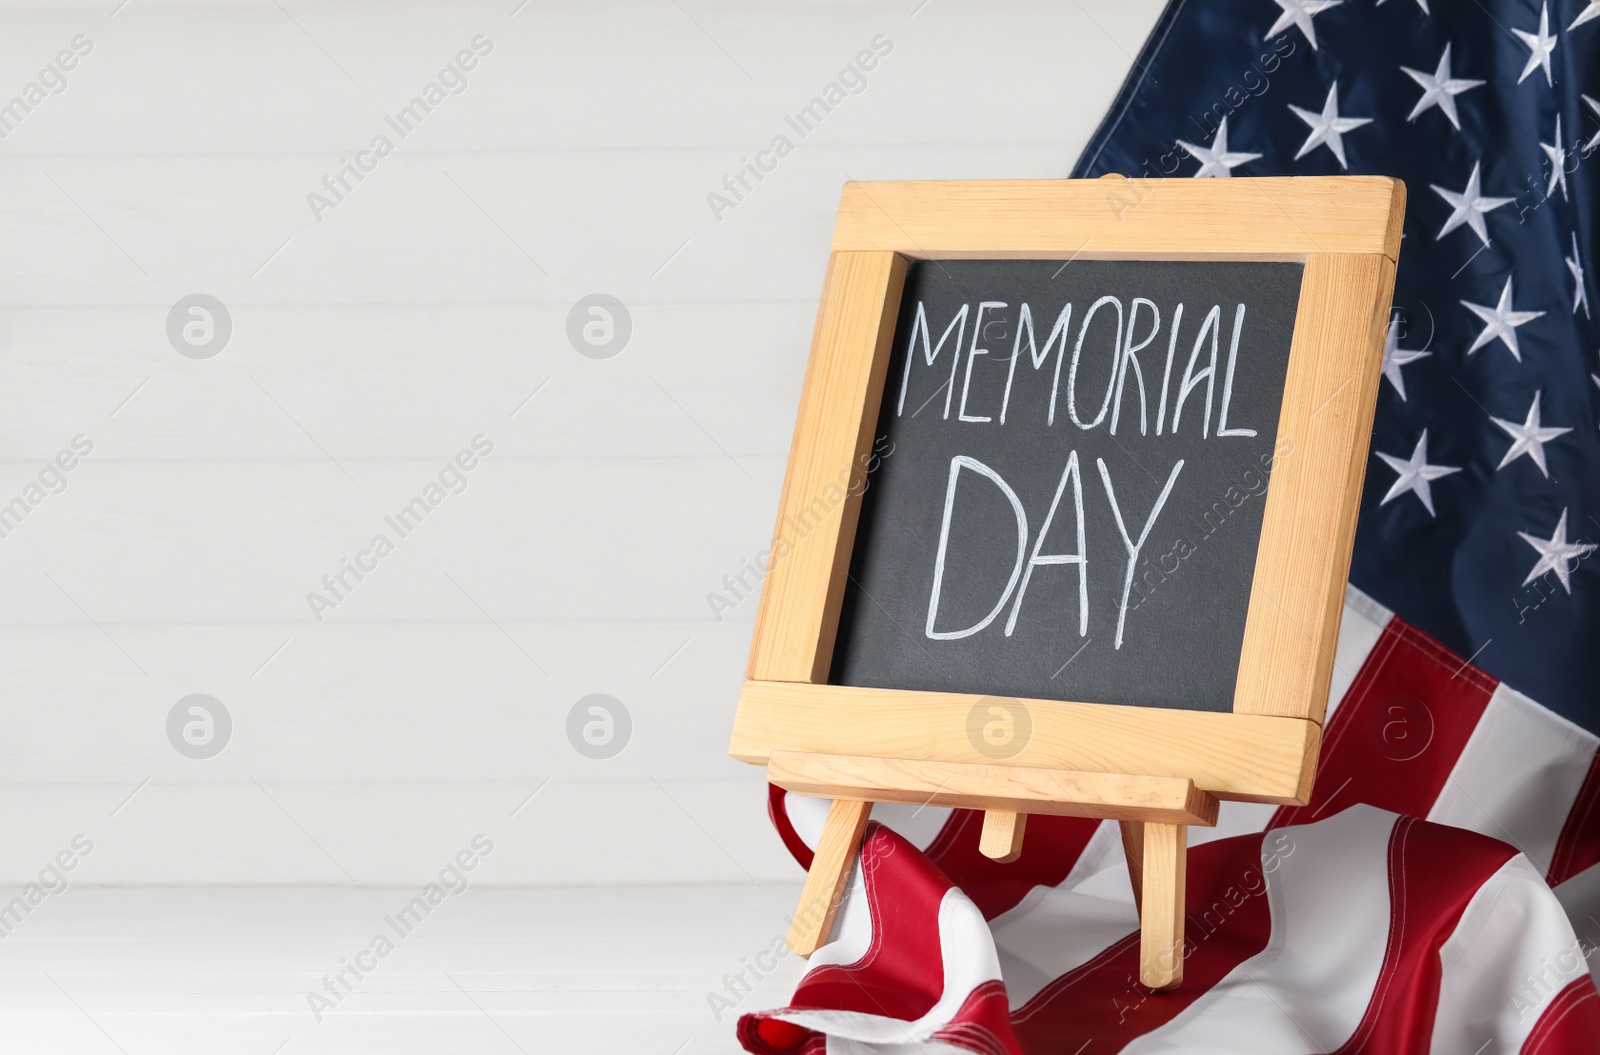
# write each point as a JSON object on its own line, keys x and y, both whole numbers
{"x": 370, "y": 347}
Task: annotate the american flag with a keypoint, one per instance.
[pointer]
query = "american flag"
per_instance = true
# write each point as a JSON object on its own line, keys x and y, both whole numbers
{"x": 1441, "y": 891}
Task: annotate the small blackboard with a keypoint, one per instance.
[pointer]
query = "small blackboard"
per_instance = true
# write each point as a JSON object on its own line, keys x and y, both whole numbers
{"x": 1069, "y": 479}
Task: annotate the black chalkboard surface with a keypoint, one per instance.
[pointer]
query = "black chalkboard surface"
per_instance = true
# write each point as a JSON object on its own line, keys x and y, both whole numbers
{"x": 1070, "y": 480}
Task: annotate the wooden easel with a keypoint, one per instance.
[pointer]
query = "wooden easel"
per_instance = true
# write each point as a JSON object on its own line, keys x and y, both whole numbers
{"x": 1157, "y": 770}
{"x": 1155, "y": 813}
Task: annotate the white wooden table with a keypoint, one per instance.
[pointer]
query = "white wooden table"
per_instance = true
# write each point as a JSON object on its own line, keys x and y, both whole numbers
{"x": 209, "y": 970}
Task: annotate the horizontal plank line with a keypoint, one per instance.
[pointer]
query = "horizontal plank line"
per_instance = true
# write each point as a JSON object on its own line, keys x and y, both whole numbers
{"x": 838, "y": 145}
{"x": 388, "y": 306}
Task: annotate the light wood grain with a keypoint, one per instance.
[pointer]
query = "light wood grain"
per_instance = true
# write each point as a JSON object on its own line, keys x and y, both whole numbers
{"x": 1001, "y": 838}
{"x": 817, "y": 513}
{"x": 1165, "y": 865}
{"x": 830, "y": 869}
{"x": 1133, "y": 852}
{"x": 999, "y": 788}
{"x": 1250, "y": 757}
{"x": 1308, "y": 527}
{"x": 1149, "y": 219}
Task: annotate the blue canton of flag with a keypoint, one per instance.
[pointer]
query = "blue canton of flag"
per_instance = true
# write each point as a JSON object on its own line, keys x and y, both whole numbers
{"x": 1481, "y": 512}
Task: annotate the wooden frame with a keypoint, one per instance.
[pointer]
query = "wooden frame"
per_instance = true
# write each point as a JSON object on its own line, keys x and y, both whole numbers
{"x": 1346, "y": 231}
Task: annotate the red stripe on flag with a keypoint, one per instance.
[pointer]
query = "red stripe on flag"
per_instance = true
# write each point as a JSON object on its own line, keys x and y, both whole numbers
{"x": 1397, "y": 734}
{"x": 1570, "y": 1024}
{"x": 983, "y": 1024}
{"x": 778, "y": 814}
{"x": 1578, "y": 845}
{"x": 1052, "y": 846}
{"x": 774, "y": 1036}
{"x": 1229, "y": 921}
{"x": 901, "y": 975}
{"x": 1434, "y": 873}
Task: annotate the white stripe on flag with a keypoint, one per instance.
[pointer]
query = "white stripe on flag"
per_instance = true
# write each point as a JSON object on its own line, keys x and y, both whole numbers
{"x": 845, "y": 1046}
{"x": 966, "y": 951}
{"x": 852, "y": 925}
{"x": 1518, "y": 776}
{"x": 1580, "y": 897}
{"x": 1359, "y": 630}
{"x": 1056, "y": 929}
{"x": 1308, "y": 989}
{"x": 1511, "y": 953}
{"x": 1235, "y": 818}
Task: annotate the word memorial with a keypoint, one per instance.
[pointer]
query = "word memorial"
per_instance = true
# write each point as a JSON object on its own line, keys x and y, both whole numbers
{"x": 1128, "y": 445}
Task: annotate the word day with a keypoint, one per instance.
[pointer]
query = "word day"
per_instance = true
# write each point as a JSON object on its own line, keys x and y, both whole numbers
{"x": 1118, "y": 349}
{"x": 1022, "y": 570}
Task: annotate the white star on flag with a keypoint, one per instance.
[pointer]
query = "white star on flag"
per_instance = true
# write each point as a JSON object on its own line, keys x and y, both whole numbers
{"x": 1440, "y": 89}
{"x": 1539, "y": 45}
{"x": 1580, "y": 295}
{"x": 1299, "y": 13}
{"x": 1558, "y": 163}
{"x": 1216, "y": 160}
{"x": 1416, "y": 475}
{"x": 1555, "y": 553}
{"x": 1500, "y": 321}
{"x": 1327, "y": 128}
{"x": 1469, "y": 207}
{"x": 1394, "y": 357}
{"x": 1592, "y": 11}
{"x": 1594, "y": 141}
{"x": 1528, "y": 438}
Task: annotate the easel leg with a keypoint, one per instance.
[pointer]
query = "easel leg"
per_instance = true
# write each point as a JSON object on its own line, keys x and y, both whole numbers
{"x": 1133, "y": 850}
{"x": 830, "y": 868}
{"x": 1164, "y": 861}
{"x": 1002, "y": 835}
